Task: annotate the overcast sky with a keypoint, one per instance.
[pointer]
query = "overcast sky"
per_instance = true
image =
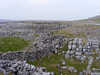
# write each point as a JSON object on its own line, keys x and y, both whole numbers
{"x": 48, "y": 9}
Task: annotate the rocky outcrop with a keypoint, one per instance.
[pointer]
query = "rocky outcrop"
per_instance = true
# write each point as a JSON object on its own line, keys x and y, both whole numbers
{"x": 20, "y": 68}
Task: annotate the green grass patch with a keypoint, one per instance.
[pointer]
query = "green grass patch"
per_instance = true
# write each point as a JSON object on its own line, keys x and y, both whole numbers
{"x": 12, "y": 44}
{"x": 36, "y": 35}
{"x": 64, "y": 48}
{"x": 49, "y": 62}
{"x": 77, "y": 64}
{"x": 96, "y": 64}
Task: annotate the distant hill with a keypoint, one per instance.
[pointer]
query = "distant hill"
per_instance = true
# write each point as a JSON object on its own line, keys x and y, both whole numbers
{"x": 95, "y": 19}
{"x": 92, "y": 20}
{"x": 4, "y": 20}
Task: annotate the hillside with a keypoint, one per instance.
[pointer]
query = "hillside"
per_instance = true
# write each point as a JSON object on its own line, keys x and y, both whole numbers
{"x": 90, "y": 21}
{"x": 84, "y": 28}
{"x": 4, "y": 20}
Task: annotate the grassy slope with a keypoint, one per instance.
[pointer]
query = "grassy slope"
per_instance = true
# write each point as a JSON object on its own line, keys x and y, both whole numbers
{"x": 96, "y": 64}
{"x": 80, "y": 31}
{"x": 52, "y": 60}
{"x": 51, "y": 64}
{"x": 12, "y": 44}
{"x": 69, "y": 33}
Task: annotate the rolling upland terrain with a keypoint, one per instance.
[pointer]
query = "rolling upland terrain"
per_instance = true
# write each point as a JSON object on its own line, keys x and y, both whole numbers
{"x": 50, "y": 47}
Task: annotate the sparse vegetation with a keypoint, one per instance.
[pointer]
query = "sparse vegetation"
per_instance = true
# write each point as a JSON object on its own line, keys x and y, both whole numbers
{"x": 51, "y": 64}
{"x": 70, "y": 34}
{"x": 96, "y": 64}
